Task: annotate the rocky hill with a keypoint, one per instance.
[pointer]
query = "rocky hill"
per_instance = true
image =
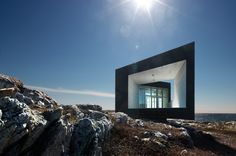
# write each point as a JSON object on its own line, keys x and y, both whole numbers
{"x": 32, "y": 123}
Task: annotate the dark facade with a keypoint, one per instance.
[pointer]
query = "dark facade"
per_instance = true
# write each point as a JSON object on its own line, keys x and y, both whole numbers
{"x": 186, "y": 53}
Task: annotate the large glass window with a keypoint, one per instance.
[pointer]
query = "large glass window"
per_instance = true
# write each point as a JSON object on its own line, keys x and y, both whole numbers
{"x": 153, "y": 97}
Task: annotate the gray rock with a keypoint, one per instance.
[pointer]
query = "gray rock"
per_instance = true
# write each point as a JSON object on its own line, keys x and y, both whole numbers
{"x": 88, "y": 135}
{"x": 186, "y": 138}
{"x": 52, "y": 115}
{"x": 89, "y": 106}
{"x": 57, "y": 139}
{"x": 19, "y": 121}
{"x": 104, "y": 126}
{"x": 148, "y": 134}
{"x": 28, "y": 100}
{"x": 9, "y": 82}
{"x": 32, "y": 123}
{"x": 121, "y": 117}
{"x": 40, "y": 103}
{"x": 161, "y": 135}
{"x": 84, "y": 138}
{"x": 39, "y": 98}
{"x": 139, "y": 122}
{"x": 96, "y": 115}
{"x": 20, "y": 97}
{"x": 155, "y": 134}
{"x": 73, "y": 109}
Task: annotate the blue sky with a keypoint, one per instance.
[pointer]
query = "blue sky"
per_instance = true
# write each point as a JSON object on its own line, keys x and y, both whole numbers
{"x": 72, "y": 48}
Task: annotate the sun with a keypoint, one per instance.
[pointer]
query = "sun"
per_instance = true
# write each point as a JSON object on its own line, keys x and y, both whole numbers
{"x": 144, "y": 4}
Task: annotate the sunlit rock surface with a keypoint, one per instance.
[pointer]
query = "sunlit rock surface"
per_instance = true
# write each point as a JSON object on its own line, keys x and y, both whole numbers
{"x": 32, "y": 123}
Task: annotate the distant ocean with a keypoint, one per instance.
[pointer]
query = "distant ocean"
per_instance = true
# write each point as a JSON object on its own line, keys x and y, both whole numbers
{"x": 215, "y": 117}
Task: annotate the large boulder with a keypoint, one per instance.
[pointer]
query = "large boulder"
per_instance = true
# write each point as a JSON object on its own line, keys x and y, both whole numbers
{"x": 19, "y": 121}
{"x": 121, "y": 117}
{"x": 88, "y": 135}
{"x": 56, "y": 140}
{"x": 83, "y": 137}
{"x": 185, "y": 138}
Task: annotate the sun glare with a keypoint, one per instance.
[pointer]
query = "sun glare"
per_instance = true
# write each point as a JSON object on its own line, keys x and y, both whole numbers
{"x": 142, "y": 8}
{"x": 144, "y": 4}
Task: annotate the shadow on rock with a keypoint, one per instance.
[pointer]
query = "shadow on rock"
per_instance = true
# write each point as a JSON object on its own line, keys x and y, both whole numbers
{"x": 205, "y": 141}
{"x": 208, "y": 142}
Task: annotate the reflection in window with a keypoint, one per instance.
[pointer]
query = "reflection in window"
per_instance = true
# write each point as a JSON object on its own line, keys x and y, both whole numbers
{"x": 141, "y": 97}
{"x": 153, "y": 97}
{"x": 159, "y": 102}
{"x": 147, "y": 91}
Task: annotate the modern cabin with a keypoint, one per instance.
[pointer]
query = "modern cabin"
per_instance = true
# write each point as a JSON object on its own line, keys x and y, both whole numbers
{"x": 158, "y": 87}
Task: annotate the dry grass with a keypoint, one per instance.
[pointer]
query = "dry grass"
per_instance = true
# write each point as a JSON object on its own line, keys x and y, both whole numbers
{"x": 123, "y": 142}
{"x": 126, "y": 140}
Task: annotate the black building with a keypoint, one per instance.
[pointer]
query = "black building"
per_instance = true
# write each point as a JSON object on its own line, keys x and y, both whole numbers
{"x": 158, "y": 87}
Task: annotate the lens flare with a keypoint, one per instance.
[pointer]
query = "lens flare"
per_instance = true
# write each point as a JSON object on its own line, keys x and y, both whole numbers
{"x": 144, "y": 4}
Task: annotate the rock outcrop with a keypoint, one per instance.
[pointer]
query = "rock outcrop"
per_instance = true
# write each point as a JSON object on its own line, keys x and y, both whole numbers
{"x": 19, "y": 123}
{"x": 32, "y": 123}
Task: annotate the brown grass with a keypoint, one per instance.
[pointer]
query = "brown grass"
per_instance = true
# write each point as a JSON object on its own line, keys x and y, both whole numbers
{"x": 126, "y": 140}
